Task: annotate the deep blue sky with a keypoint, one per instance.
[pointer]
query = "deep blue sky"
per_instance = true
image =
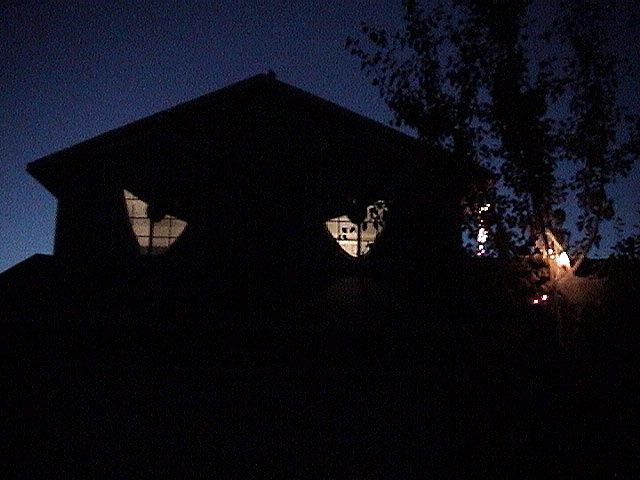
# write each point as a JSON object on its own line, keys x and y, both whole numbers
{"x": 74, "y": 69}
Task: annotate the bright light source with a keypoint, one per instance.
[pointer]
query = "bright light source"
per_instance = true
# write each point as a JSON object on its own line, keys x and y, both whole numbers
{"x": 482, "y": 235}
{"x": 563, "y": 260}
{"x": 539, "y": 300}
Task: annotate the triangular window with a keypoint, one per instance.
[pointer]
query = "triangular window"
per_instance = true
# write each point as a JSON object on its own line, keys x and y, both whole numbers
{"x": 154, "y": 237}
{"x": 357, "y": 239}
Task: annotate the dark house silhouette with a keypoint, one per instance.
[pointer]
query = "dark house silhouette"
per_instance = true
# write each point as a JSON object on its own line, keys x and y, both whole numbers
{"x": 245, "y": 211}
{"x": 255, "y": 192}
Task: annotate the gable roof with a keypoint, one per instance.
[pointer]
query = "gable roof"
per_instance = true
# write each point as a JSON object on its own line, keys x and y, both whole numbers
{"x": 217, "y": 117}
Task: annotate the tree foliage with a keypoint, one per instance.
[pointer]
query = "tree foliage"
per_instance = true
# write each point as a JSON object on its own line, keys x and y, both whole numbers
{"x": 629, "y": 247}
{"x": 526, "y": 99}
{"x": 598, "y": 138}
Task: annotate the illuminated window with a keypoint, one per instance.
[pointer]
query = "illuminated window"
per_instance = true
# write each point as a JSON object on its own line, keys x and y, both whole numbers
{"x": 356, "y": 239}
{"x": 153, "y": 237}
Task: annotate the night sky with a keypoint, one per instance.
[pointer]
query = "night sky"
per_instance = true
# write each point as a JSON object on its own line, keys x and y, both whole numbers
{"x": 74, "y": 69}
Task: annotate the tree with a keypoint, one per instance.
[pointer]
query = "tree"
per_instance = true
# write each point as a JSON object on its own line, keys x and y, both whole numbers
{"x": 629, "y": 247}
{"x": 486, "y": 83}
{"x": 598, "y": 138}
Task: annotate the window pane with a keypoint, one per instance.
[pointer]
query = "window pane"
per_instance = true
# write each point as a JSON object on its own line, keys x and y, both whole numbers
{"x": 140, "y": 226}
{"x": 162, "y": 228}
{"x": 165, "y": 232}
{"x": 351, "y": 236}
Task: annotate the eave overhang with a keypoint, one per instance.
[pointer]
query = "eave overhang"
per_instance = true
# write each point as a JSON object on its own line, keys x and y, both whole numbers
{"x": 247, "y": 105}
